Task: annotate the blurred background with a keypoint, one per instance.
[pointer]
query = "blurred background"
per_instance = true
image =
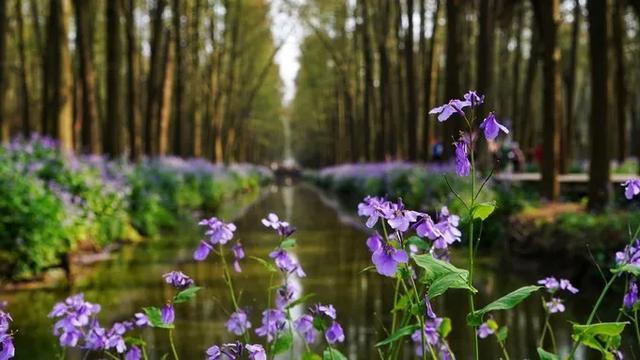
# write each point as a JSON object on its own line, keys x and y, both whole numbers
{"x": 123, "y": 120}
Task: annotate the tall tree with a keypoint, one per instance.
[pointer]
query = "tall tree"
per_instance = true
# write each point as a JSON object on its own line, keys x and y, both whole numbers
{"x": 430, "y": 70}
{"x": 452, "y": 72}
{"x": 485, "y": 48}
{"x": 179, "y": 128}
{"x": 570, "y": 83}
{"x": 57, "y": 88}
{"x": 411, "y": 125}
{"x": 24, "y": 82}
{"x": 113, "y": 139}
{"x": 154, "y": 79}
{"x": 3, "y": 66}
{"x": 133, "y": 123}
{"x": 89, "y": 138}
{"x": 547, "y": 14}
{"x": 599, "y": 164}
{"x": 618, "y": 34}
{"x": 369, "y": 106}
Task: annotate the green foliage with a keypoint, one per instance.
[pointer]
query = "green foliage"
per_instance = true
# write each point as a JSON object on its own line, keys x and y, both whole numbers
{"x": 333, "y": 354}
{"x": 283, "y": 343}
{"x": 545, "y": 355}
{"x": 604, "y": 337}
{"x": 506, "y": 302}
{"x": 441, "y": 276}
{"x": 399, "y": 334}
{"x": 155, "y": 317}
{"x": 185, "y": 295}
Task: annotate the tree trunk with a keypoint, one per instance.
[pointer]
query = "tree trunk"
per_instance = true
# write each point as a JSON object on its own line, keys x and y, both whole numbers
{"x": 383, "y": 135}
{"x": 570, "y": 84}
{"x": 89, "y": 138}
{"x": 484, "y": 51}
{"x": 4, "y": 136}
{"x": 548, "y": 16}
{"x": 57, "y": 109}
{"x": 618, "y": 33}
{"x": 369, "y": 100}
{"x": 166, "y": 93}
{"x": 411, "y": 125}
{"x": 24, "y": 83}
{"x": 452, "y": 70}
{"x": 113, "y": 125}
{"x": 154, "y": 81}
{"x": 430, "y": 69}
{"x": 178, "y": 78}
{"x": 133, "y": 124}
{"x": 599, "y": 165}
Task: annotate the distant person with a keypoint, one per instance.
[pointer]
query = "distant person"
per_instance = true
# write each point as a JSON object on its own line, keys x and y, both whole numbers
{"x": 438, "y": 151}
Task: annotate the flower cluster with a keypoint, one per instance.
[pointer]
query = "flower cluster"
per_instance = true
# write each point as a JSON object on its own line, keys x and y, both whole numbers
{"x": 631, "y": 188}
{"x": 235, "y": 351}
{"x": 178, "y": 280}
{"x": 238, "y": 322}
{"x": 553, "y": 285}
{"x": 273, "y": 322}
{"x": 630, "y": 255}
{"x": 77, "y": 326}
{"x": 281, "y": 227}
{"x": 320, "y": 318}
{"x": 7, "y": 350}
{"x": 432, "y": 334}
{"x": 218, "y": 232}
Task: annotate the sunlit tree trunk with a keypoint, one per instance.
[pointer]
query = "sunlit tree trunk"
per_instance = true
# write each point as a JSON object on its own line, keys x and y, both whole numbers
{"x": 599, "y": 165}
{"x": 547, "y": 14}
{"x": 165, "y": 102}
{"x": 154, "y": 81}
{"x": 386, "y": 101}
{"x": 89, "y": 138}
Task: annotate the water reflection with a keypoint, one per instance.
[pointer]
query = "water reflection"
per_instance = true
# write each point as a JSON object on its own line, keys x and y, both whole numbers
{"x": 332, "y": 251}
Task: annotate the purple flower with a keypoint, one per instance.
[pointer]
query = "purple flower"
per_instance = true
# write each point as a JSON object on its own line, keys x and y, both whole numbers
{"x": 286, "y": 263}
{"x": 140, "y": 320}
{"x": 484, "y": 331}
{"x": 448, "y": 226}
{"x": 202, "y": 251}
{"x": 282, "y": 227}
{"x": 178, "y": 280}
{"x": 492, "y": 127}
{"x": 445, "y": 111}
{"x": 385, "y": 257}
{"x": 256, "y": 352}
{"x": 326, "y": 310}
{"x": 473, "y": 98}
{"x": 373, "y": 208}
{"x": 218, "y": 231}
{"x": 285, "y": 295}
{"x": 550, "y": 283}
{"x": 463, "y": 165}
{"x": 168, "y": 314}
{"x": 304, "y": 325}
{"x": 425, "y": 227}
{"x": 428, "y": 309}
{"x": 134, "y": 353}
{"x": 631, "y": 297}
{"x": 630, "y": 255}
{"x": 566, "y": 285}
{"x": 238, "y": 323}
{"x": 431, "y": 335}
{"x": 399, "y": 218}
{"x": 238, "y": 254}
{"x": 273, "y": 322}
{"x": 5, "y": 321}
{"x": 631, "y": 188}
{"x": 334, "y": 334}
{"x": 214, "y": 353}
{"x": 7, "y": 350}
{"x": 555, "y": 305}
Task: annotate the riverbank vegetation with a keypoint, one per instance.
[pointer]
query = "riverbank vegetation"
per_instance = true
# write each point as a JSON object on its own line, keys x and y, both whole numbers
{"x": 53, "y": 202}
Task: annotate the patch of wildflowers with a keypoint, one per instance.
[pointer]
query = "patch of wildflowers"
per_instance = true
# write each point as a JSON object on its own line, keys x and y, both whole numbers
{"x": 178, "y": 279}
{"x": 238, "y": 322}
{"x": 273, "y": 322}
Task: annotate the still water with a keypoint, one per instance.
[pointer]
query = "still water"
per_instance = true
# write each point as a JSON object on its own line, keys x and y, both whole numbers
{"x": 331, "y": 248}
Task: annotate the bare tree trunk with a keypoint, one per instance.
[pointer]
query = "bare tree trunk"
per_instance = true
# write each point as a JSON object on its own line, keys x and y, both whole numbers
{"x": 548, "y": 16}
{"x": 411, "y": 125}
{"x": 570, "y": 84}
{"x": 133, "y": 124}
{"x": 618, "y": 34}
{"x": 599, "y": 168}
{"x": 113, "y": 143}
{"x": 24, "y": 83}
{"x": 429, "y": 69}
{"x": 515, "y": 90}
{"x": 4, "y": 135}
{"x": 485, "y": 49}
{"x": 369, "y": 99}
{"x": 154, "y": 82}
{"x": 89, "y": 138}
{"x": 178, "y": 77}
{"x": 165, "y": 102}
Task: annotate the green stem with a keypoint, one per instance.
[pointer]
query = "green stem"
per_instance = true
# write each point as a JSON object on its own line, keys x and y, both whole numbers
{"x": 594, "y": 311}
{"x": 503, "y": 348}
{"x": 635, "y": 316}
{"x": 229, "y": 282}
{"x": 144, "y": 352}
{"x": 544, "y": 328}
{"x": 110, "y": 355}
{"x": 173, "y": 345}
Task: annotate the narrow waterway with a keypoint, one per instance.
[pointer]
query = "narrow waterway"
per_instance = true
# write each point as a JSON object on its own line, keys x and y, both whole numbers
{"x": 331, "y": 248}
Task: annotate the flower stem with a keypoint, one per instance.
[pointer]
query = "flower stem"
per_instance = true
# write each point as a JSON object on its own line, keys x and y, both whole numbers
{"x": 471, "y": 248}
{"x": 229, "y": 282}
{"x": 173, "y": 345}
{"x": 503, "y": 348}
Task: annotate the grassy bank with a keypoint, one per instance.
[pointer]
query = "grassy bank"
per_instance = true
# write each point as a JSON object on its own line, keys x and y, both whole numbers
{"x": 52, "y": 203}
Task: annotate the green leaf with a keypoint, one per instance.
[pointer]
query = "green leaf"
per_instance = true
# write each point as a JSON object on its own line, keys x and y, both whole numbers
{"x": 311, "y": 356}
{"x": 288, "y": 243}
{"x": 368, "y": 268}
{"x": 506, "y": 302}
{"x": 599, "y": 329}
{"x": 441, "y": 275}
{"x": 333, "y": 354}
{"x": 604, "y": 337}
{"x": 628, "y": 268}
{"x": 545, "y": 355}
{"x": 134, "y": 341}
{"x": 483, "y": 210}
{"x": 450, "y": 281}
{"x": 282, "y": 344}
{"x": 155, "y": 317}
{"x": 185, "y": 295}
{"x": 502, "y": 334}
{"x": 269, "y": 266}
{"x": 418, "y": 242}
{"x": 445, "y": 328}
{"x": 300, "y": 300}
{"x": 399, "y": 334}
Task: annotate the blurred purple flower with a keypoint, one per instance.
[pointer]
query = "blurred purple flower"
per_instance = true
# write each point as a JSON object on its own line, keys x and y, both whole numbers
{"x": 631, "y": 297}
{"x": 219, "y": 232}
{"x": 286, "y": 263}
{"x": 334, "y": 334}
{"x": 178, "y": 280}
{"x": 473, "y": 98}
{"x": 632, "y": 188}
{"x": 384, "y": 256}
{"x": 445, "y": 111}
{"x": 238, "y": 322}
{"x": 630, "y": 255}
{"x": 238, "y": 254}
{"x": 463, "y": 165}
{"x": 304, "y": 325}
{"x": 555, "y": 305}
{"x": 168, "y": 314}
{"x": 484, "y": 331}
{"x": 273, "y": 322}
{"x": 492, "y": 127}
